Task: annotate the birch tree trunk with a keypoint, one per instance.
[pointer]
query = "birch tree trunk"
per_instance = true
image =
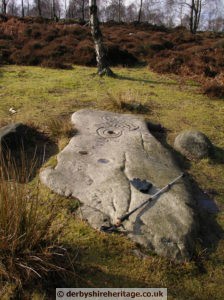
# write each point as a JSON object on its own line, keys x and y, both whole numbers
{"x": 102, "y": 62}
{"x": 83, "y": 10}
{"x": 65, "y": 9}
{"x": 22, "y": 6}
{"x": 192, "y": 17}
{"x": 54, "y": 15}
{"x": 4, "y": 7}
{"x": 28, "y": 8}
{"x": 140, "y": 12}
{"x": 119, "y": 11}
{"x": 195, "y": 15}
{"x": 39, "y": 8}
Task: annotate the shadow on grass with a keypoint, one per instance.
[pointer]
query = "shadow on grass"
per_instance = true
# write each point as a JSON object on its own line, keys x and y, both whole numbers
{"x": 86, "y": 277}
{"x": 205, "y": 208}
{"x": 217, "y": 157}
{"x": 121, "y": 77}
{"x": 88, "y": 274}
{"x": 24, "y": 152}
{"x": 95, "y": 277}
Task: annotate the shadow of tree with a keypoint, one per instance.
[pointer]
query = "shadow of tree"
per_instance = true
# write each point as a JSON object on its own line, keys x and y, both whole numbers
{"x": 134, "y": 79}
{"x": 121, "y": 77}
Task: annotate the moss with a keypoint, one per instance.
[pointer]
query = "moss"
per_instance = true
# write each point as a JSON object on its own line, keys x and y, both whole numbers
{"x": 52, "y": 162}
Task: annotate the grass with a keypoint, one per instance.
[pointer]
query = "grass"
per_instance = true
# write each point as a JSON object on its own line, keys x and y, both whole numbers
{"x": 60, "y": 128}
{"x": 42, "y": 95}
{"x": 29, "y": 227}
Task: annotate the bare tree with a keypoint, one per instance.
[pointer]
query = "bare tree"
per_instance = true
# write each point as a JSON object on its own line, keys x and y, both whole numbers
{"x": 215, "y": 16}
{"x": 65, "y": 7}
{"x": 131, "y": 13}
{"x": 55, "y": 10}
{"x": 28, "y": 8}
{"x": 77, "y": 9}
{"x": 151, "y": 11}
{"x": 102, "y": 62}
{"x": 84, "y": 7}
{"x": 45, "y": 9}
{"x": 119, "y": 11}
{"x": 195, "y": 7}
{"x": 13, "y": 8}
{"x": 181, "y": 14}
{"x": 22, "y": 9}
{"x": 83, "y": 10}
{"x": 39, "y": 9}
{"x": 195, "y": 15}
{"x": 115, "y": 10}
{"x": 4, "y": 6}
{"x": 170, "y": 13}
{"x": 140, "y": 11}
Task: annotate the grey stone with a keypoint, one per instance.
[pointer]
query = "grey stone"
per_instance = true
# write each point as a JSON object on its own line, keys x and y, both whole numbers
{"x": 97, "y": 167}
{"x": 193, "y": 144}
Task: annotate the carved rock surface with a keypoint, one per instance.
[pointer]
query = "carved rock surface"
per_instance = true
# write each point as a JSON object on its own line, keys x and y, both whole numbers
{"x": 97, "y": 166}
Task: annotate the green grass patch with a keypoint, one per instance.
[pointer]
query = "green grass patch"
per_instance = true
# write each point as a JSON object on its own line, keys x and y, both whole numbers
{"x": 41, "y": 95}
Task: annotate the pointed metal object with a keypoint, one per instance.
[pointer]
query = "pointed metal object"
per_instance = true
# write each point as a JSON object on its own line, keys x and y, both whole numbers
{"x": 113, "y": 228}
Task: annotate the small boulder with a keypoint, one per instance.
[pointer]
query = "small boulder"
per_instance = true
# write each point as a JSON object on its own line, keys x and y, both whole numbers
{"x": 193, "y": 144}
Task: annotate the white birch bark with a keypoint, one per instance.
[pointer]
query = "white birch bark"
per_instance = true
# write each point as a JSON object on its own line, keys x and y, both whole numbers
{"x": 102, "y": 62}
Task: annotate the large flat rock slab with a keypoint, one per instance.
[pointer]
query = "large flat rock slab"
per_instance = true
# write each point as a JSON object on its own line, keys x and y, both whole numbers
{"x": 97, "y": 166}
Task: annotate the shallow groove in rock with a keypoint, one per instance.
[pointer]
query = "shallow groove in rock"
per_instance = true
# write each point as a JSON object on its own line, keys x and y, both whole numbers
{"x": 129, "y": 184}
